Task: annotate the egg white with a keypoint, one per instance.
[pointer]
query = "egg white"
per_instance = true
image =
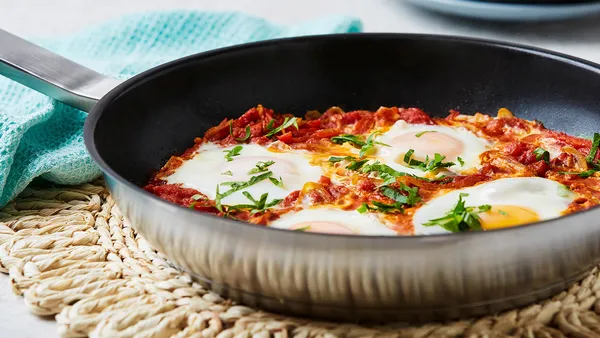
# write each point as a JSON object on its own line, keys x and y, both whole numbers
{"x": 355, "y": 222}
{"x": 473, "y": 146}
{"x": 549, "y": 199}
{"x": 209, "y": 168}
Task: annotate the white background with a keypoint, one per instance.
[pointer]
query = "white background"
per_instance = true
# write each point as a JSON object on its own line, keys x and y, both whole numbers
{"x": 57, "y": 17}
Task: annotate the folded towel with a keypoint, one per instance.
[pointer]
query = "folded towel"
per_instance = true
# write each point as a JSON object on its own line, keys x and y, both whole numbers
{"x": 40, "y": 137}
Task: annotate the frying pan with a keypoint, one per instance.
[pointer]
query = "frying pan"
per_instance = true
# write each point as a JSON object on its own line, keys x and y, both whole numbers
{"x": 133, "y": 129}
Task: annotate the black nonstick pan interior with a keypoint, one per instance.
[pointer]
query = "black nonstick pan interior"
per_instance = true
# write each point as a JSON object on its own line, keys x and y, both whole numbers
{"x": 165, "y": 110}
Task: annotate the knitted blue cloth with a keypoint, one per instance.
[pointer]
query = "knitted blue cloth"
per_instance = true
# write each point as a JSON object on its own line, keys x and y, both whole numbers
{"x": 40, "y": 137}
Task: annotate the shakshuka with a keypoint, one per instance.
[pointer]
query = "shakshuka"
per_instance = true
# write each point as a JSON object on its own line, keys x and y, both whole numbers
{"x": 395, "y": 171}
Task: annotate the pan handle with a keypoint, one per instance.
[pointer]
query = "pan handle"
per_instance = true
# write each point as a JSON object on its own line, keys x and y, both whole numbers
{"x": 51, "y": 74}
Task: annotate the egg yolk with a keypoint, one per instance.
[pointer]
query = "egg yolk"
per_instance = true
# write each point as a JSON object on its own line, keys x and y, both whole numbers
{"x": 429, "y": 143}
{"x": 505, "y": 216}
{"x": 322, "y": 227}
{"x": 240, "y": 166}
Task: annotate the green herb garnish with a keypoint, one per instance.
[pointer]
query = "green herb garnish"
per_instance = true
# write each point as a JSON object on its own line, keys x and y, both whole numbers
{"x": 237, "y": 186}
{"x": 246, "y": 137}
{"x": 229, "y": 154}
{"x": 563, "y": 191}
{"x": 423, "y": 132}
{"x": 369, "y": 144}
{"x": 460, "y": 160}
{"x": 427, "y": 165}
{"x": 261, "y": 167}
{"x": 287, "y": 122}
{"x": 381, "y": 207}
{"x": 227, "y": 173}
{"x": 542, "y": 154}
{"x": 259, "y": 205}
{"x": 277, "y": 182}
{"x": 270, "y": 125}
{"x": 591, "y": 158}
{"x": 356, "y": 141}
{"x": 411, "y": 199}
{"x": 502, "y": 212}
{"x": 461, "y": 217}
{"x": 303, "y": 228}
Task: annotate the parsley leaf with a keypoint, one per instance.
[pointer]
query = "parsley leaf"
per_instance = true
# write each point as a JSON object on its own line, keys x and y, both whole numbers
{"x": 233, "y": 152}
{"x": 460, "y": 160}
{"x": 287, "y": 122}
{"x": 261, "y": 166}
{"x": 354, "y": 163}
{"x": 582, "y": 174}
{"x": 461, "y": 217}
{"x": 239, "y": 185}
{"x": 423, "y": 132}
{"x": 246, "y": 137}
{"x": 369, "y": 144}
{"x": 356, "y": 141}
{"x": 277, "y": 182}
{"x": 227, "y": 173}
{"x": 542, "y": 154}
{"x": 411, "y": 199}
{"x": 502, "y": 212}
{"x": 427, "y": 165}
{"x": 381, "y": 207}
{"x": 591, "y": 158}
{"x": 341, "y": 139}
{"x": 336, "y": 159}
{"x": 259, "y": 205}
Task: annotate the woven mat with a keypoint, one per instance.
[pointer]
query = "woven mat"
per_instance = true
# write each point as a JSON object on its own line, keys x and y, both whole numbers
{"x": 69, "y": 252}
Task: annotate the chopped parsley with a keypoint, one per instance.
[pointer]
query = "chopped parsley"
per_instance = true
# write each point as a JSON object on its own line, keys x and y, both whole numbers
{"x": 260, "y": 167}
{"x": 502, "y": 212}
{"x": 382, "y": 171}
{"x": 423, "y": 132}
{"x": 229, "y": 154}
{"x": 461, "y": 218}
{"x": 356, "y": 141}
{"x": 590, "y": 159}
{"x": 237, "y": 186}
{"x": 227, "y": 173}
{"x": 460, "y": 160}
{"x": 369, "y": 144}
{"x": 563, "y": 191}
{"x": 287, "y": 122}
{"x": 259, "y": 205}
{"x": 246, "y": 137}
{"x": 542, "y": 154}
{"x": 411, "y": 199}
{"x": 381, "y": 207}
{"x": 428, "y": 165}
{"x": 277, "y": 182}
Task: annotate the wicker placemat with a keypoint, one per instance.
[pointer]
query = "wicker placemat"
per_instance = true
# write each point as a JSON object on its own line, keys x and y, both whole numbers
{"x": 70, "y": 253}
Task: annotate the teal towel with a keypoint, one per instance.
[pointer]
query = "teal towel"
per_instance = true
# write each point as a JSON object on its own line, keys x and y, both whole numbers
{"x": 40, "y": 137}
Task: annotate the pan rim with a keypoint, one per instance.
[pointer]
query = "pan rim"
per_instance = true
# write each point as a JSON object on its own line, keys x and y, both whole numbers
{"x": 123, "y": 88}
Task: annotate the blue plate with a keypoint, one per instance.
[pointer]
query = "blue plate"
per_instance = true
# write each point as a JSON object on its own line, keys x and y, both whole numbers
{"x": 511, "y": 11}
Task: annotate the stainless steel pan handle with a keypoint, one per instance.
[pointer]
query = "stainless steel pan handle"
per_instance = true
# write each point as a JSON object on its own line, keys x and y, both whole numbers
{"x": 51, "y": 74}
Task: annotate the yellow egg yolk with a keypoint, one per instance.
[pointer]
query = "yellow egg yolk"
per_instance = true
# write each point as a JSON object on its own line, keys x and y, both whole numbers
{"x": 505, "y": 216}
{"x": 428, "y": 143}
{"x": 322, "y": 227}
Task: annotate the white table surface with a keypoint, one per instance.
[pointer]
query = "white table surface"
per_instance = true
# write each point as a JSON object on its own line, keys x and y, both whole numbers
{"x": 56, "y": 17}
